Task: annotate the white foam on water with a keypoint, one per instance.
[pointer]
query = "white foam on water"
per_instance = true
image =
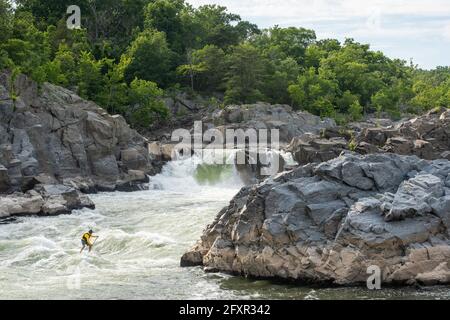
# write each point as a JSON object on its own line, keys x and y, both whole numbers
{"x": 142, "y": 236}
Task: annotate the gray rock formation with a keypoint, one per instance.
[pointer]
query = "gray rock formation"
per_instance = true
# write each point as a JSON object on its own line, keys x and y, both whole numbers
{"x": 312, "y": 148}
{"x": 44, "y": 200}
{"x": 51, "y": 132}
{"x": 427, "y": 137}
{"x": 329, "y": 222}
{"x": 267, "y": 116}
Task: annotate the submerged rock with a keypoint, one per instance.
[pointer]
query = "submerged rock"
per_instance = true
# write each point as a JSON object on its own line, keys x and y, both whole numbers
{"x": 330, "y": 222}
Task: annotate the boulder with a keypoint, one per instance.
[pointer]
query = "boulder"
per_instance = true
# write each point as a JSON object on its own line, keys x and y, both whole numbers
{"x": 329, "y": 222}
{"x": 5, "y": 183}
{"x": 266, "y": 116}
{"x": 54, "y": 132}
{"x": 44, "y": 200}
{"x": 309, "y": 149}
{"x": 426, "y": 136}
{"x": 256, "y": 167}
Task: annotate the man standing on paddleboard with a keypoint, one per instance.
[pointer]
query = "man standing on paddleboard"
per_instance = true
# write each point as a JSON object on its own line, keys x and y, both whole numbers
{"x": 86, "y": 240}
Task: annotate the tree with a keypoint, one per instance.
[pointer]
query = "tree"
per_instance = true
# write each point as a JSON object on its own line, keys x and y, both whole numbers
{"x": 111, "y": 21}
{"x": 5, "y": 20}
{"x": 168, "y": 43}
{"x": 354, "y": 70}
{"x": 355, "y": 111}
{"x": 210, "y": 67}
{"x": 428, "y": 96}
{"x": 27, "y": 47}
{"x": 147, "y": 105}
{"x": 114, "y": 94}
{"x": 149, "y": 58}
{"x": 280, "y": 74}
{"x": 293, "y": 42}
{"x": 89, "y": 77}
{"x": 74, "y": 40}
{"x": 245, "y": 75}
{"x": 167, "y": 16}
{"x": 216, "y": 26}
{"x": 314, "y": 93}
{"x": 190, "y": 69}
{"x": 345, "y": 101}
{"x": 47, "y": 12}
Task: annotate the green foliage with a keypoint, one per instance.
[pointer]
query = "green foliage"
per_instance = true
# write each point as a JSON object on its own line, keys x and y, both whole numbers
{"x": 214, "y": 25}
{"x": 167, "y": 16}
{"x": 128, "y": 50}
{"x": 191, "y": 69}
{"x": 315, "y": 93}
{"x": 292, "y": 42}
{"x": 149, "y": 58}
{"x": 352, "y": 145}
{"x": 89, "y": 76}
{"x": 355, "y": 111}
{"x": 6, "y": 17}
{"x": 245, "y": 75}
{"x": 114, "y": 96}
{"x": 147, "y": 104}
{"x": 210, "y": 66}
{"x": 346, "y": 101}
{"x": 432, "y": 89}
{"x": 27, "y": 48}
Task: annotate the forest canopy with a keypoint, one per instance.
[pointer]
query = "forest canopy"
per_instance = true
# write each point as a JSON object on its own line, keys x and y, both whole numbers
{"x": 129, "y": 54}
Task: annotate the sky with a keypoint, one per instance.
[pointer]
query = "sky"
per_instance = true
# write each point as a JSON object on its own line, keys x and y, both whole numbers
{"x": 405, "y": 29}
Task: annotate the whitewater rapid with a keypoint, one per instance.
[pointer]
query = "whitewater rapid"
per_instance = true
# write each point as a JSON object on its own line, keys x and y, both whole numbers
{"x": 142, "y": 237}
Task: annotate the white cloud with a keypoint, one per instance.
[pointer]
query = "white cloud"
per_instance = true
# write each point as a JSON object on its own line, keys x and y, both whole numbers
{"x": 331, "y": 8}
{"x": 447, "y": 32}
{"x": 404, "y": 28}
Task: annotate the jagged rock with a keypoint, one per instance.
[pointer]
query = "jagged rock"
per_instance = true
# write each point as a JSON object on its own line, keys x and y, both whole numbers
{"x": 44, "y": 200}
{"x": 5, "y": 183}
{"x": 427, "y": 136}
{"x": 54, "y": 132}
{"x": 256, "y": 167}
{"x": 162, "y": 151}
{"x": 267, "y": 116}
{"x": 329, "y": 222}
{"x": 413, "y": 197}
{"x": 311, "y": 149}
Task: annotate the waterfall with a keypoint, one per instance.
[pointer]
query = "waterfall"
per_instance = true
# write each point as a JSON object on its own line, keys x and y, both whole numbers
{"x": 207, "y": 168}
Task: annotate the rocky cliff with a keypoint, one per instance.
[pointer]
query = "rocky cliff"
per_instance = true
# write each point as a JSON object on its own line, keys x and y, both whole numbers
{"x": 49, "y": 136}
{"x": 329, "y": 222}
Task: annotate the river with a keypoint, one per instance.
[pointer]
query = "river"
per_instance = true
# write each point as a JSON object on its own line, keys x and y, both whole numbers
{"x": 142, "y": 237}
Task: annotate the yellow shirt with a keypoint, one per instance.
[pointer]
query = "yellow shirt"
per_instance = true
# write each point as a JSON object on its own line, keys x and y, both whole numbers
{"x": 86, "y": 237}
